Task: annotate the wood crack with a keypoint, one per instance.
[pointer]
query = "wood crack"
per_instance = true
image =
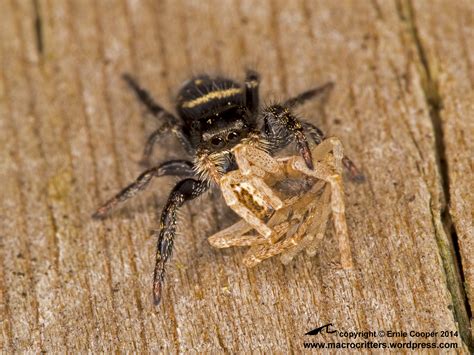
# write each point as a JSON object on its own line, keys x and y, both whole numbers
{"x": 446, "y": 234}
{"x": 38, "y": 27}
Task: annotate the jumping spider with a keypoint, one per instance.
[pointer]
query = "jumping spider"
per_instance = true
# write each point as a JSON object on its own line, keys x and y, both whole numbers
{"x": 215, "y": 114}
{"x": 290, "y": 224}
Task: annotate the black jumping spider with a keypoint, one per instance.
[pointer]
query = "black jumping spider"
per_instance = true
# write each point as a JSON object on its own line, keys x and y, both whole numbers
{"x": 214, "y": 114}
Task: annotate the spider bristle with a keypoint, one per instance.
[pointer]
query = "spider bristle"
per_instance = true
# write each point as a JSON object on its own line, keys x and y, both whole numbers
{"x": 210, "y": 167}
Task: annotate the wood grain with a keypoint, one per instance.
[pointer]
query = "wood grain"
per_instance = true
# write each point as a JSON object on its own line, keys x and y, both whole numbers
{"x": 71, "y": 135}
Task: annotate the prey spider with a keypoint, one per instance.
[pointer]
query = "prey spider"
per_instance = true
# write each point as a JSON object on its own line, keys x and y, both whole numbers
{"x": 290, "y": 224}
{"x": 214, "y": 114}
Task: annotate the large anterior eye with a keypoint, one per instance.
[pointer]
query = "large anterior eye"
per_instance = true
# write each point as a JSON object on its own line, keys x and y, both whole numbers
{"x": 233, "y": 136}
{"x": 217, "y": 142}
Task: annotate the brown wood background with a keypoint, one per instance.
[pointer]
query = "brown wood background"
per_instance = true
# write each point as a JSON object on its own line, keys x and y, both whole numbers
{"x": 71, "y": 135}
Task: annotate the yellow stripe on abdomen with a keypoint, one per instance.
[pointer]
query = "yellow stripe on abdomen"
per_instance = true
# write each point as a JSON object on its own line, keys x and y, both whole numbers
{"x": 220, "y": 94}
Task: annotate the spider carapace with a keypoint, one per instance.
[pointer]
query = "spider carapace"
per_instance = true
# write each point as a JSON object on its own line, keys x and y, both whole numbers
{"x": 213, "y": 115}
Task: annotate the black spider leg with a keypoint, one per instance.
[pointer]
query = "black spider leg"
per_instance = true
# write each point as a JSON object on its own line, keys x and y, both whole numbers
{"x": 252, "y": 82}
{"x": 314, "y": 132}
{"x": 145, "y": 98}
{"x": 300, "y": 99}
{"x": 172, "y": 123}
{"x": 281, "y": 127}
{"x": 316, "y": 135}
{"x": 172, "y": 167}
{"x": 185, "y": 190}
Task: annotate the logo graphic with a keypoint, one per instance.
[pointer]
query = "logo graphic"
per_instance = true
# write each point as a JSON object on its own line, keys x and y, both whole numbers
{"x": 318, "y": 330}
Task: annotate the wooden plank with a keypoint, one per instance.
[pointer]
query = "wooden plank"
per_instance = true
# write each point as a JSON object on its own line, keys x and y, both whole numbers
{"x": 446, "y": 41}
{"x": 71, "y": 134}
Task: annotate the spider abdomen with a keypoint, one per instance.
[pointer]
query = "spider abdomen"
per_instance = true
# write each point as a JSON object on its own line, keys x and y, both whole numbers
{"x": 251, "y": 198}
{"x": 204, "y": 95}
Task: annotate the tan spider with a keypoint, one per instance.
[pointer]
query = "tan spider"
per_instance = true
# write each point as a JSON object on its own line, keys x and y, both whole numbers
{"x": 284, "y": 205}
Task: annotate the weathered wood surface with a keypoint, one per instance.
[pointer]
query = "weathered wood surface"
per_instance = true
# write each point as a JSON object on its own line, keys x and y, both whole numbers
{"x": 71, "y": 135}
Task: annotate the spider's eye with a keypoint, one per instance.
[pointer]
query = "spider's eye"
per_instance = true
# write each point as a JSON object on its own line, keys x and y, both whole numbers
{"x": 233, "y": 136}
{"x": 217, "y": 142}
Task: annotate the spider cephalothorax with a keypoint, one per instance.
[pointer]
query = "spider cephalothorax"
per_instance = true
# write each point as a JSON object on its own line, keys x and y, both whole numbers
{"x": 214, "y": 114}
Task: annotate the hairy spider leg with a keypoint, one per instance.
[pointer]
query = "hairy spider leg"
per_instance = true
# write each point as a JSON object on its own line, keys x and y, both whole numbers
{"x": 290, "y": 125}
{"x": 322, "y": 172}
{"x": 150, "y": 142}
{"x": 311, "y": 211}
{"x": 330, "y": 144}
{"x": 254, "y": 161}
{"x": 314, "y": 132}
{"x": 229, "y": 183}
{"x": 184, "y": 191}
{"x": 253, "y": 164}
{"x": 252, "y": 82}
{"x": 145, "y": 98}
{"x": 321, "y": 153}
{"x": 172, "y": 167}
{"x": 319, "y": 226}
{"x": 309, "y": 94}
{"x": 257, "y": 189}
{"x": 305, "y": 211}
{"x": 318, "y": 136}
{"x": 232, "y": 236}
{"x": 235, "y": 235}
{"x": 313, "y": 233}
{"x": 172, "y": 123}
{"x": 282, "y": 126}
